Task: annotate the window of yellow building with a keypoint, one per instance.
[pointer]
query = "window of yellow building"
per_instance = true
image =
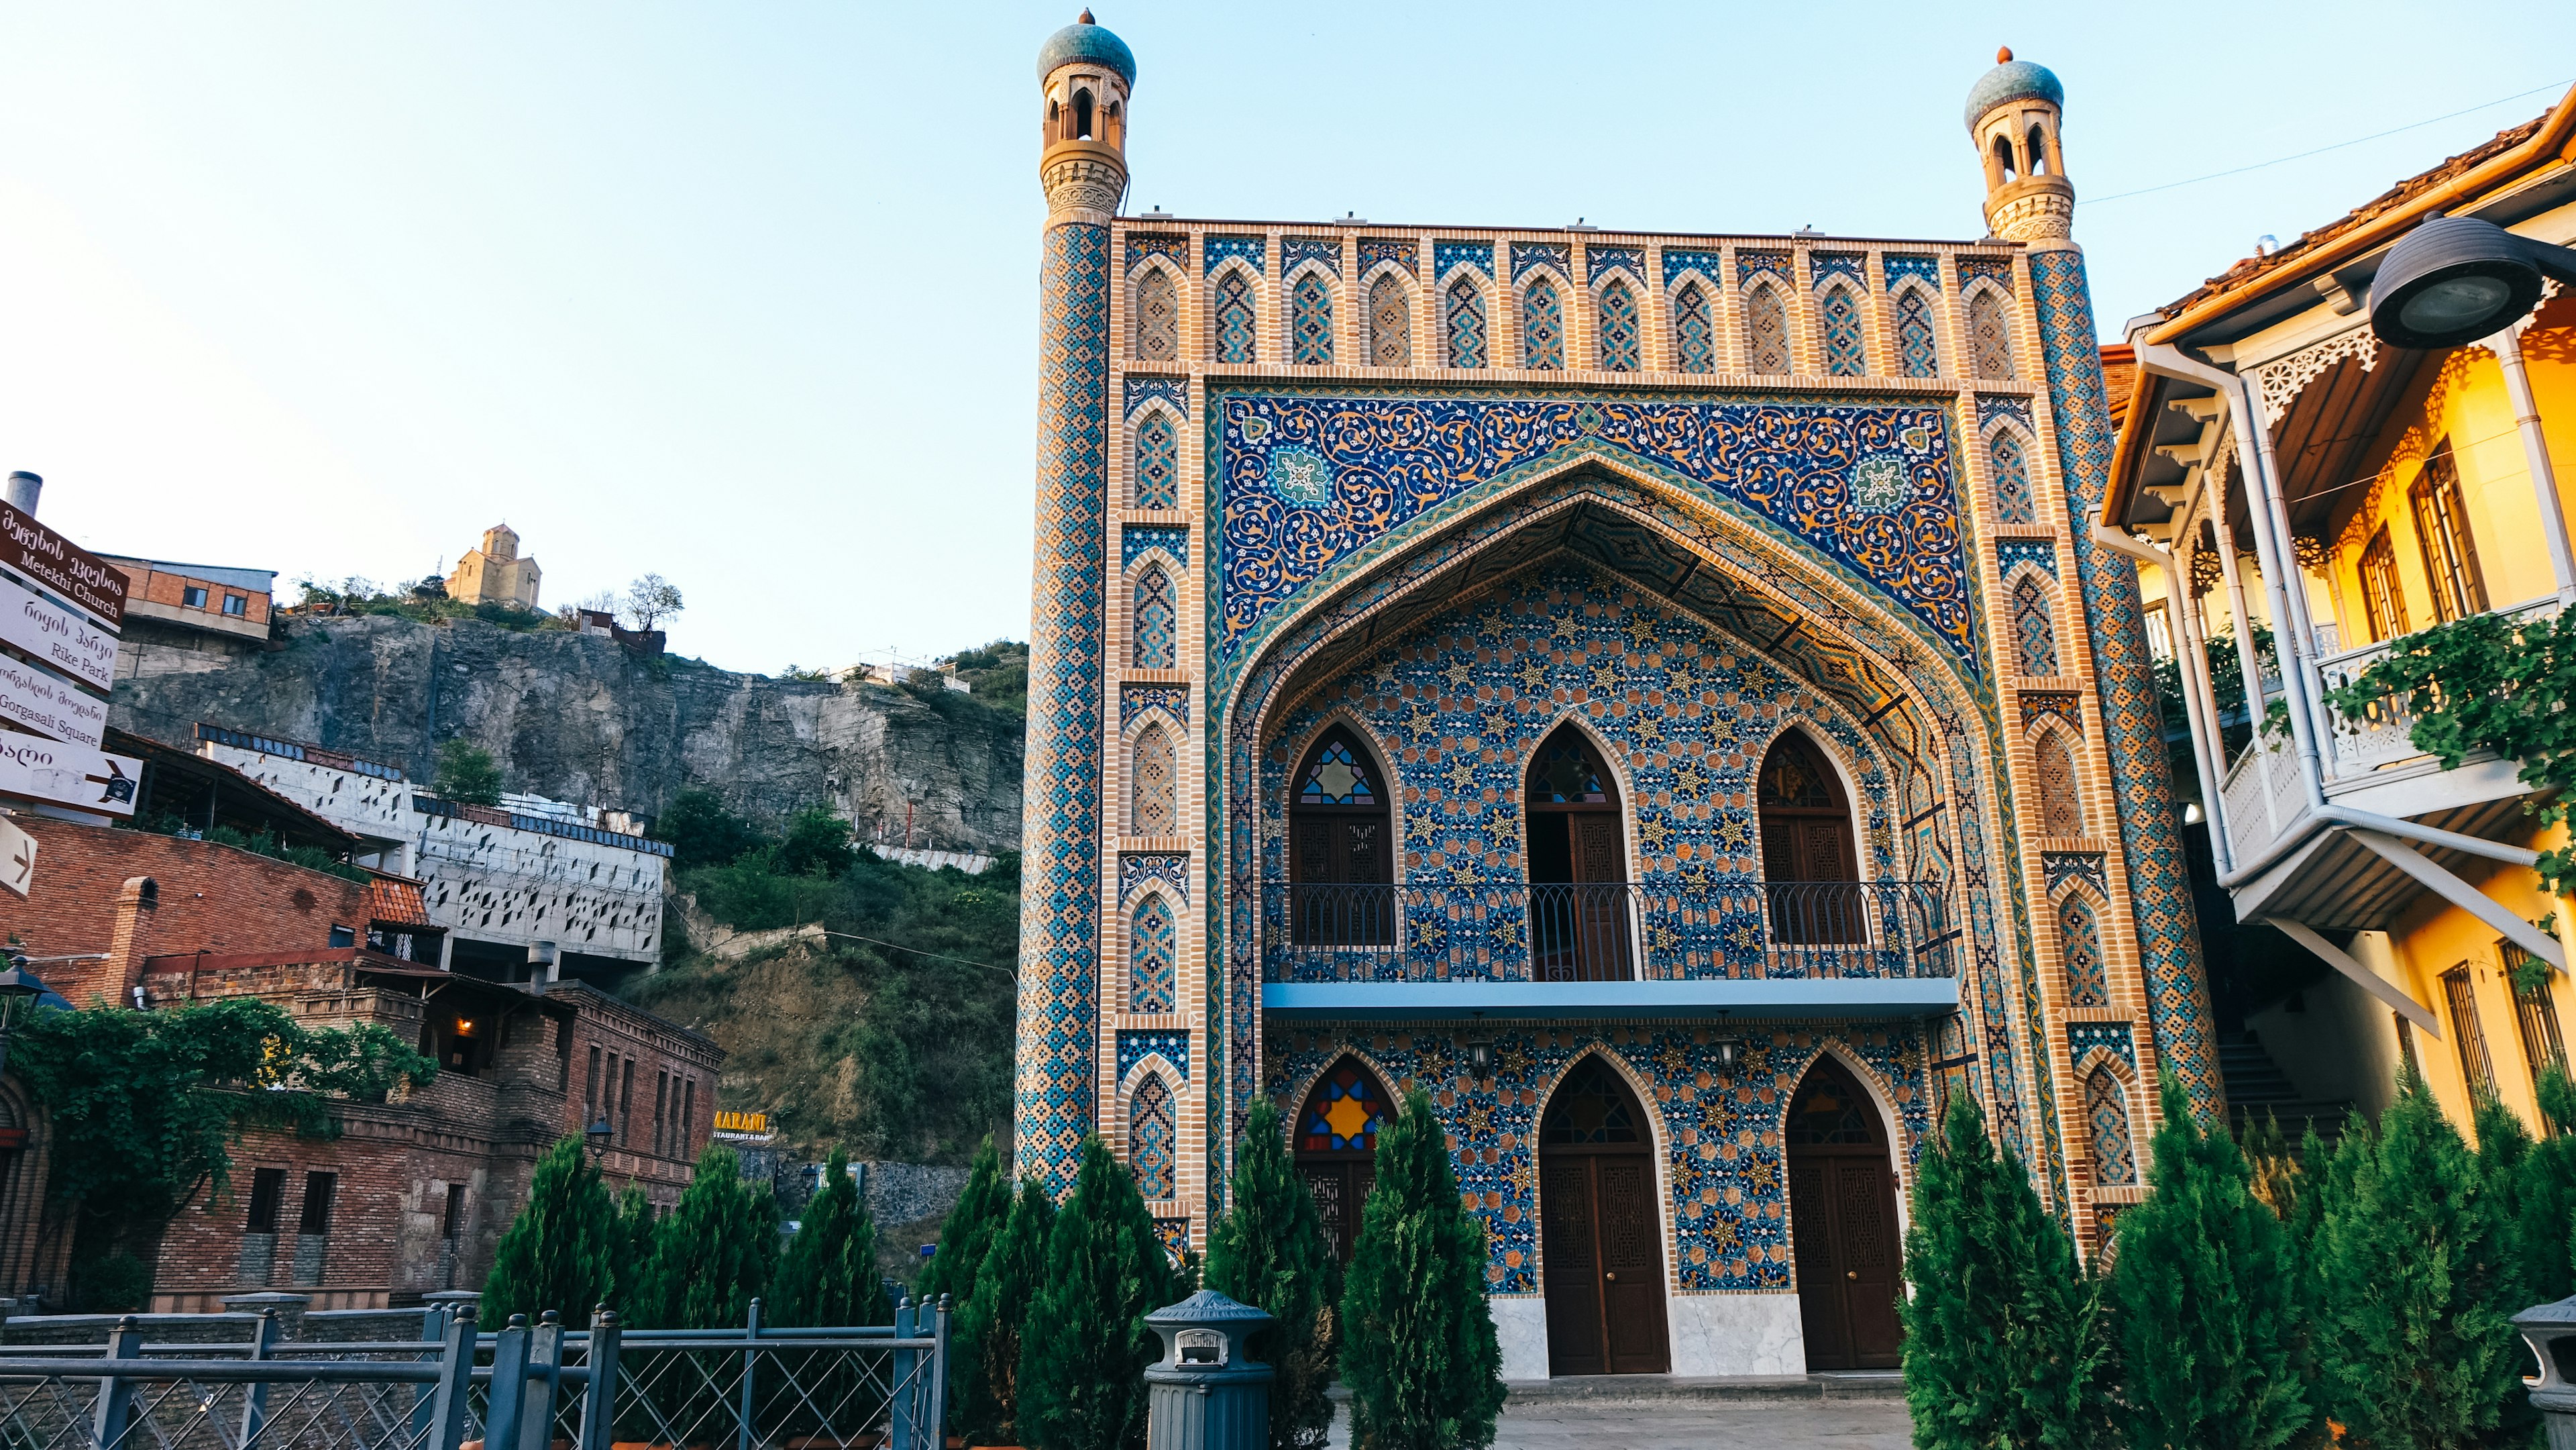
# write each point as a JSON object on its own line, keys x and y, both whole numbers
{"x": 2442, "y": 527}
{"x": 2475, "y": 1066}
{"x": 2383, "y": 599}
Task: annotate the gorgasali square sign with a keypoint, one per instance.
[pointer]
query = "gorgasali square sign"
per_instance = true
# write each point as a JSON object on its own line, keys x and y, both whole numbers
{"x": 60, "y": 637}
{"x": 62, "y": 566}
{"x": 48, "y": 704}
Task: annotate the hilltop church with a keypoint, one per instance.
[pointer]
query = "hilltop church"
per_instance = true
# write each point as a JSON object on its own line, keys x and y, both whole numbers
{"x": 1658, "y": 693}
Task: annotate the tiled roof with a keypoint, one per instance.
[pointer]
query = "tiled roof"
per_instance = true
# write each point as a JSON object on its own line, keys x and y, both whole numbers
{"x": 396, "y": 903}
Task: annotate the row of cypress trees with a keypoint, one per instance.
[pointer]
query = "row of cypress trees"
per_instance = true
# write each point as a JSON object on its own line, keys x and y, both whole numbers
{"x": 2256, "y": 1298}
{"x": 1049, "y": 1337}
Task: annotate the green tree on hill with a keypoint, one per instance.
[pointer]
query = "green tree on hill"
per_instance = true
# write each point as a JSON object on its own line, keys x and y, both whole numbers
{"x": 467, "y": 774}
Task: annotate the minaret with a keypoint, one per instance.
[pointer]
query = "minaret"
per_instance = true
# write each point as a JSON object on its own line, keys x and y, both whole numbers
{"x": 2014, "y": 114}
{"x": 1085, "y": 74}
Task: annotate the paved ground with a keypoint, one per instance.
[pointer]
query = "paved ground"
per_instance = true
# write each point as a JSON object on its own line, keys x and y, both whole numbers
{"x": 1684, "y": 1416}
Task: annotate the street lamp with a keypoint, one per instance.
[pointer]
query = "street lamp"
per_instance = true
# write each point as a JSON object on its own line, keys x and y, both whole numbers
{"x": 2455, "y": 280}
{"x": 597, "y": 1136}
{"x": 19, "y": 988}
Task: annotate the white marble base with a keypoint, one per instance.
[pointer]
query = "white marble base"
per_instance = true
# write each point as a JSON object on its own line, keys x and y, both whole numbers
{"x": 1734, "y": 1334}
{"x": 1520, "y": 1324}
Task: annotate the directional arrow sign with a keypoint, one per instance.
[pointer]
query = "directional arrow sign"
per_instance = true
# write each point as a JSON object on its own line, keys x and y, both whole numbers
{"x": 17, "y": 857}
{"x": 71, "y": 775}
{"x": 61, "y": 637}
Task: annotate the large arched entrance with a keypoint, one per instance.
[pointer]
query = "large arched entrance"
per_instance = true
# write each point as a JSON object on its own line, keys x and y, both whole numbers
{"x": 1336, "y": 1148}
{"x": 1810, "y": 867}
{"x": 1600, "y": 1238}
{"x": 1577, "y": 864}
{"x": 1341, "y": 852}
{"x": 1842, "y": 1220}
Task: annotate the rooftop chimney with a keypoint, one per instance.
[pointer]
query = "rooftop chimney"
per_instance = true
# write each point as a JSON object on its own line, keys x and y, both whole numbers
{"x": 24, "y": 489}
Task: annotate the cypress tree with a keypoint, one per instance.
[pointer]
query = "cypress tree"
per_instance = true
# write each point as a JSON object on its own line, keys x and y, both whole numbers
{"x": 1083, "y": 1355}
{"x": 716, "y": 1251}
{"x": 968, "y": 1232}
{"x": 2202, "y": 1292}
{"x": 560, "y": 1252}
{"x": 635, "y": 1230}
{"x": 2548, "y": 1196}
{"x": 2001, "y": 1343}
{"x": 1269, "y": 1251}
{"x": 2413, "y": 1256}
{"x": 828, "y": 1276}
{"x": 986, "y": 1335}
{"x": 1418, "y": 1347}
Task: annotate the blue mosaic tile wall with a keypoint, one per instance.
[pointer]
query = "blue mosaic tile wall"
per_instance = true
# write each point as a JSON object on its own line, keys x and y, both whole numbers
{"x": 1724, "y": 1165}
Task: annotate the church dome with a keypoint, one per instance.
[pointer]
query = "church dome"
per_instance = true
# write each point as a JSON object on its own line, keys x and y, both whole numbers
{"x": 1083, "y": 40}
{"x": 2010, "y": 80}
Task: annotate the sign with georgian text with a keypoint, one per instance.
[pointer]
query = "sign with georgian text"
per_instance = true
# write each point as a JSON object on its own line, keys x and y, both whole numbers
{"x": 62, "y": 566}
{"x": 48, "y": 704}
{"x": 68, "y": 775}
{"x": 60, "y": 637}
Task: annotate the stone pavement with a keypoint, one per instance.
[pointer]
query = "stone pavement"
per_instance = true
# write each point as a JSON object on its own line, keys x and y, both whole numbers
{"x": 1656, "y": 1412}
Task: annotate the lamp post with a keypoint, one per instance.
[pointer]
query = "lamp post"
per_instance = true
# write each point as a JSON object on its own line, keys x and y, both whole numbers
{"x": 596, "y": 1136}
{"x": 19, "y": 989}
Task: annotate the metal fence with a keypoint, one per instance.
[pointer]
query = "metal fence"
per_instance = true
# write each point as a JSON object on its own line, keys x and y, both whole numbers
{"x": 539, "y": 1387}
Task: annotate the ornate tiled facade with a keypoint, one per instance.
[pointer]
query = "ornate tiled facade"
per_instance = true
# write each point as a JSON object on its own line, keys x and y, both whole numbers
{"x": 1703, "y": 490}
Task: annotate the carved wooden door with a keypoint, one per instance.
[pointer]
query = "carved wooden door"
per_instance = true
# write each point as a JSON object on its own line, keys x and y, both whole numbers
{"x": 1600, "y": 1233}
{"x": 1842, "y": 1218}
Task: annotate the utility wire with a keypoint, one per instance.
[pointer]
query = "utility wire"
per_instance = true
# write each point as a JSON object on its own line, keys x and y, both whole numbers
{"x": 918, "y": 952}
{"x": 2320, "y": 151}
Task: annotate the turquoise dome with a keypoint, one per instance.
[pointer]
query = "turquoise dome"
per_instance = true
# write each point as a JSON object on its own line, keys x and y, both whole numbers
{"x": 1083, "y": 40}
{"x": 2014, "y": 80}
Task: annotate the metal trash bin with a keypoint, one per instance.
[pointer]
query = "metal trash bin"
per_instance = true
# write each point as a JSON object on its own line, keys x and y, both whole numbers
{"x": 1207, "y": 1393}
{"x": 2550, "y": 1330}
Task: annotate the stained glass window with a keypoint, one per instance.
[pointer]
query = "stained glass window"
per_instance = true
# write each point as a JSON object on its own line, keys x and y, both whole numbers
{"x": 1694, "y": 335}
{"x": 1157, "y": 613}
{"x": 1152, "y": 779}
{"x": 1390, "y": 323}
{"x": 1152, "y": 1134}
{"x": 1989, "y": 334}
{"x": 1339, "y": 777}
{"x": 2014, "y": 502}
{"x": 1766, "y": 330}
{"x": 1153, "y": 971}
{"x": 1157, "y": 481}
{"x": 1466, "y": 324}
{"x": 1234, "y": 326}
{"x": 1158, "y": 317}
{"x": 2034, "y": 626}
{"x": 2061, "y": 805}
{"x": 1828, "y": 1110}
{"x": 1619, "y": 330}
{"x": 1793, "y": 779}
{"x": 1566, "y": 773}
{"x": 1343, "y": 1113}
{"x": 1844, "y": 355}
{"x": 1542, "y": 328}
{"x": 1917, "y": 355}
{"x": 1591, "y": 1106}
{"x": 2106, "y": 1115}
{"x": 1312, "y": 326}
{"x": 2080, "y": 938}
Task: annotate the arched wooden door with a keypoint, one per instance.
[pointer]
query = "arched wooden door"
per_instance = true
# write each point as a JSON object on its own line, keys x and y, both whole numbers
{"x": 1578, "y": 867}
{"x": 1842, "y": 1222}
{"x": 1810, "y": 867}
{"x": 1341, "y": 853}
{"x": 1336, "y": 1148}
{"x": 1600, "y": 1236}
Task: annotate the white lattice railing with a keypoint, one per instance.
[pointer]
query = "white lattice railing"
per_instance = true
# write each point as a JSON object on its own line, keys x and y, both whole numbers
{"x": 2378, "y": 736}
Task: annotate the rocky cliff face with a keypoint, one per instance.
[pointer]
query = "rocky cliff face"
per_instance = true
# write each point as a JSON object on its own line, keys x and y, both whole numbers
{"x": 577, "y": 718}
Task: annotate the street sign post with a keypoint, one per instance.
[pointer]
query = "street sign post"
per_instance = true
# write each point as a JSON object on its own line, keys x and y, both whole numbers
{"x": 17, "y": 857}
{"x": 62, "y": 566}
{"x": 68, "y": 775}
{"x": 48, "y": 704}
{"x": 63, "y": 638}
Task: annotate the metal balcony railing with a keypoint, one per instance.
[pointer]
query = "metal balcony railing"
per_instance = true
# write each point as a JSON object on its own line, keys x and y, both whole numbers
{"x": 1519, "y": 931}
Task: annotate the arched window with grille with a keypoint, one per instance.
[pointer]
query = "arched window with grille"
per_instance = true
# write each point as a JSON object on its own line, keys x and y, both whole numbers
{"x": 1153, "y": 960}
{"x": 1464, "y": 323}
{"x": 1157, "y": 615}
{"x": 1766, "y": 330}
{"x": 1845, "y": 354}
{"x": 1158, "y": 317}
{"x": 1153, "y": 784}
{"x": 2079, "y": 941}
{"x": 2106, "y": 1122}
{"x": 1620, "y": 332}
{"x": 1390, "y": 323}
{"x": 1989, "y": 334}
{"x": 1918, "y": 355}
{"x": 1694, "y": 332}
{"x": 2034, "y": 618}
{"x": 1311, "y": 321}
{"x": 2009, "y": 462}
{"x": 1542, "y": 328}
{"x": 1156, "y": 481}
{"x": 2061, "y": 800}
{"x": 1153, "y": 1134}
{"x": 1235, "y": 329}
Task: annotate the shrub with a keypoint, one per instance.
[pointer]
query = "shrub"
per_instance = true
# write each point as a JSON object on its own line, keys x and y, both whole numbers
{"x": 115, "y": 1283}
{"x": 714, "y": 1254}
{"x": 1269, "y": 1251}
{"x": 466, "y": 774}
{"x": 1418, "y": 1347}
{"x": 989, "y": 1326}
{"x": 2548, "y": 1197}
{"x": 828, "y": 1275}
{"x": 1086, "y": 1346}
{"x": 967, "y": 1234}
{"x": 561, "y": 1252}
{"x": 702, "y": 832}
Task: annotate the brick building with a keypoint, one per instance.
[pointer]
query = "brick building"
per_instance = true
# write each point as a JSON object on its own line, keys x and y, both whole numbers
{"x": 415, "y": 1191}
{"x": 206, "y": 608}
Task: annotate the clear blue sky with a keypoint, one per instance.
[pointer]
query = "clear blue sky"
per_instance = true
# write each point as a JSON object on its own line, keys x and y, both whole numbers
{"x": 744, "y": 294}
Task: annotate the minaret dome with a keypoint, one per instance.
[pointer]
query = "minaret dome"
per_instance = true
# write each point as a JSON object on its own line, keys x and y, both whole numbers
{"x": 1085, "y": 73}
{"x": 2014, "y": 112}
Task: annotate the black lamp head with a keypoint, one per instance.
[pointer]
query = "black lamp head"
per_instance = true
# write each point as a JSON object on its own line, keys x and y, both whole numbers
{"x": 2454, "y": 280}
